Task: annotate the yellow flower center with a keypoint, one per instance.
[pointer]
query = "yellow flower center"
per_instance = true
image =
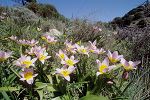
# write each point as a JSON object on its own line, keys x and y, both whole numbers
{"x": 91, "y": 51}
{"x": 65, "y": 72}
{"x": 27, "y": 63}
{"x": 102, "y": 68}
{"x": 2, "y": 59}
{"x": 128, "y": 68}
{"x": 62, "y": 56}
{"x": 112, "y": 60}
{"x": 28, "y": 75}
{"x": 44, "y": 38}
{"x": 83, "y": 50}
{"x": 42, "y": 57}
{"x": 51, "y": 42}
{"x": 69, "y": 62}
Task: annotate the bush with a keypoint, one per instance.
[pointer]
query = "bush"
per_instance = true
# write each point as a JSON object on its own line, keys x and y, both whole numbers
{"x": 2, "y": 9}
{"x": 44, "y": 10}
{"x": 82, "y": 30}
{"x": 22, "y": 15}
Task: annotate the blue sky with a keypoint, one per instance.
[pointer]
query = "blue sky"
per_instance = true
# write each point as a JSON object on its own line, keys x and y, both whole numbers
{"x": 95, "y": 10}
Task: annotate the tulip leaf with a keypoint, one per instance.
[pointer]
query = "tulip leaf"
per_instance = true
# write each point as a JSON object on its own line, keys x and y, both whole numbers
{"x": 51, "y": 88}
{"x": 117, "y": 66}
{"x": 15, "y": 72}
{"x": 93, "y": 97}
{"x": 40, "y": 92}
{"x": 41, "y": 85}
{"x": 57, "y": 98}
{"x": 8, "y": 89}
{"x": 6, "y": 97}
{"x": 50, "y": 78}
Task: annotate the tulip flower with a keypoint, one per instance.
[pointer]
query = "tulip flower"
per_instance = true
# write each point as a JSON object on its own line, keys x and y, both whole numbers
{"x": 25, "y": 61}
{"x": 103, "y": 67}
{"x": 27, "y": 42}
{"x": 4, "y": 55}
{"x": 65, "y": 72}
{"x": 42, "y": 56}
{"x": 49, "y": 39}
{"x": 28, "y": 75}
{"x": 22, "y": 42}
{"x": 129, "y": 65}
{"x": 70, "y": 47}
{"x": 32, "y": 42}
{"x": 92, "y": 46}
{"x": 99, "y": 51}
{"x": 69, "y": 61}
{"x": 61, "y": 54}
{"x": 82, "y": 49}
{"x": 44, "y": 36}
{"x": 93, "y": 49}
{"x": 14, "y": 38}
{"x": 35, "y": 50}
{"x": 114, "y": 57}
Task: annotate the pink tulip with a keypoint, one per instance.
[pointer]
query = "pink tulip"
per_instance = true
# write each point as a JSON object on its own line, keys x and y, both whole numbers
{"x": 69, "y": 61}
{"x": 70, "y": 47}
{"x": 4, "y": 55}
{"x": 25, "y": 61}
{"x": 114, "y": 57}
{"x": 82, "y": 49}
{"x": 35, "y": 50}
{"x": 28, "y": 75}
{"x": 92, "y": 48}
{"x": 61, "y": 55}
{"x": 49, "y": 39}
{"x": 42, "y": 55}
{"x": 65, "y": 72}
{"x": 103, "y": 67}
{"x": 129, "y": 65}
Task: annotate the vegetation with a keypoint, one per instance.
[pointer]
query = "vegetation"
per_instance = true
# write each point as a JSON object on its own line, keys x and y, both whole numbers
{"x": 43, "y": 57}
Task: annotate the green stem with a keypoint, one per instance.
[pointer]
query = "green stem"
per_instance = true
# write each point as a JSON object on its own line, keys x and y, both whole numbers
{"x": 31, "y": 92}
{"x": 15, "y": 72}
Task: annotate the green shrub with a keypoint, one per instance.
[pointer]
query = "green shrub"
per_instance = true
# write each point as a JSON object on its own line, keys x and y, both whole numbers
{"x": 22, "y": 16}
{"x": 2, "y": 9}
{"x": 44, "y": 10}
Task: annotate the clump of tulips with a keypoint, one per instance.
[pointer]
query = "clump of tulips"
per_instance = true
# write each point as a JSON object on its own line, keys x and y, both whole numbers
{"x": 69, "y": 58}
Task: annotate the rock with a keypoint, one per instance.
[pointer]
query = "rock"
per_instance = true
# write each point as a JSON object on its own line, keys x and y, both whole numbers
{"x": 54, "y": 32}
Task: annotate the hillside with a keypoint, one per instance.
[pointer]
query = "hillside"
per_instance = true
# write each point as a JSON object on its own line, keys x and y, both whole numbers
{"x": 137, "y": 17}
{"x": 33, "y": 11}
{"x": 134, "y": 27}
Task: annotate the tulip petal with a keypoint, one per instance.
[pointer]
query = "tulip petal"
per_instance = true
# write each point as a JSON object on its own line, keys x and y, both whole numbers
{"x": 67, "y": 78}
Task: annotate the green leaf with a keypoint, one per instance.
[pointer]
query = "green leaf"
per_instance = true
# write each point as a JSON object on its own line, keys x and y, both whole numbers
{"x": 5, "y": 95}
{"x": 93, "y": 97}
{"x": 50, "y": 78}
{"x": 41, "y": 85}
{"x": 11, "y": 78}
{"x": 15, "y": 72}
{"x": 57, "y": 98}
{"x": 8, "y": 89}
{"x": 117, "y": 66}
{"x": 40, "y": 92}
{"x": 51, "y": 88}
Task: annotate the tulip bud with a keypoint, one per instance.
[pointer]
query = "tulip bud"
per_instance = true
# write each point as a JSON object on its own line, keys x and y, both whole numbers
{"x": 125, "y": 75}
